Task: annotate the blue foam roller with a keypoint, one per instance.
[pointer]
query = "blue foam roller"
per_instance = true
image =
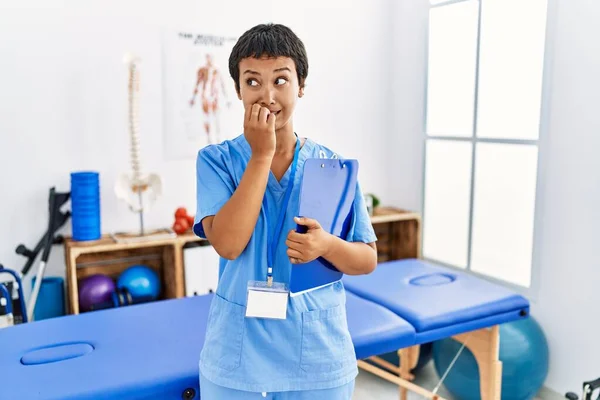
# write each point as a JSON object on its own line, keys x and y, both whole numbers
{"x": 85, "y": 205}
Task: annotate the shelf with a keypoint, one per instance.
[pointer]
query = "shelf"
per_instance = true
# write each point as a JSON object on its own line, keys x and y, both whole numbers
{"x": 398, "y": 232}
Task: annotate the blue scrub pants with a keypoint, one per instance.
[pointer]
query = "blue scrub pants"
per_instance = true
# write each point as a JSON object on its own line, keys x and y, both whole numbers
{"x": 210, "y": 391}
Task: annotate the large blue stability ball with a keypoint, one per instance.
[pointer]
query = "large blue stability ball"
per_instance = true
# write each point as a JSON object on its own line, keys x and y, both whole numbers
{"x": 141, "y": 281}
{"x": 524, "y": 356}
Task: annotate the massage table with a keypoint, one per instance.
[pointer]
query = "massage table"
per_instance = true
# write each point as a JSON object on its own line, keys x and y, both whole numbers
{"x": 439, "y": 302}
{"x": 151, "y": 351}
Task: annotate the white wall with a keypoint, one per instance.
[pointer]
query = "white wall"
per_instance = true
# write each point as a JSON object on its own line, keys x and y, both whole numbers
{"x": 62, "y": 107}
{"x": 406, "y": 147}
{"x": 64, "y": 88}
{"x": 566, "y": 302}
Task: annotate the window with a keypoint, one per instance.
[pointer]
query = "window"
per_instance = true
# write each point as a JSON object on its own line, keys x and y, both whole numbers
{"x": 484, "y": 92}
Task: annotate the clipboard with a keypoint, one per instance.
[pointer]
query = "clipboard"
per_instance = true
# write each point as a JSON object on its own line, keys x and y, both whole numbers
{"x": 327, "y": 194}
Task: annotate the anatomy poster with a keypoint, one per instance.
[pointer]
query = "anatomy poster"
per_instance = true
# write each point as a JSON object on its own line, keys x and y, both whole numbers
{"x": 201, "y": 106}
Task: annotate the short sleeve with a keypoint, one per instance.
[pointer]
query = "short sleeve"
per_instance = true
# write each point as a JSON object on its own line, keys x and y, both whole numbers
{"x": 361, "y": 228}
{"x": 214, "y": 185}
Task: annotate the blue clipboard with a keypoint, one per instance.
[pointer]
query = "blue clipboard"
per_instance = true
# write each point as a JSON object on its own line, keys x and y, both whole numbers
{"x": 327, "y": 194}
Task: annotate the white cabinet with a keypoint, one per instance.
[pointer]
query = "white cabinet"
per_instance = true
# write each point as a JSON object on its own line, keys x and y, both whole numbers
{"x": 201, "y": 268}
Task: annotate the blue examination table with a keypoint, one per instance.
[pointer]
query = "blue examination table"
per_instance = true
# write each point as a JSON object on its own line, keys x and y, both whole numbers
{"x": 151, "y": 351}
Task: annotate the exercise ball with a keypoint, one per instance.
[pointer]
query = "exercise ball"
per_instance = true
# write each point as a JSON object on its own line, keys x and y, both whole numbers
{"x": 141, "y": 281}
{"x": 425, "y": 355}
{"x": 524, "y": 355}
{"x": 94, "y": 290}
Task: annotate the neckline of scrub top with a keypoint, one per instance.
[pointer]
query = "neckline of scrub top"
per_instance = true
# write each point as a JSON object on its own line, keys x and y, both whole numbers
{"x": 280, "y": 186}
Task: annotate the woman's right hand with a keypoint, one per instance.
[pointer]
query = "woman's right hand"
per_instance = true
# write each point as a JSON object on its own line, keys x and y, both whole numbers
{"x": 259, "y": 129}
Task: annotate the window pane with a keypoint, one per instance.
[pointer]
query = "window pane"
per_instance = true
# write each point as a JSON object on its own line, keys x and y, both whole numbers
{"x": 510, "y": 68}
{"x": 447, "y": 193}
{"x": 451, "y": 69}
{"x": 503, "y": 211}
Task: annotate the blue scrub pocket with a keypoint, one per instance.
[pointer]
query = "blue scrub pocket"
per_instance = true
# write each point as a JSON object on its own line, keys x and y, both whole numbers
{"x": 326, "y": 342}
{"x": 223, "y": 343}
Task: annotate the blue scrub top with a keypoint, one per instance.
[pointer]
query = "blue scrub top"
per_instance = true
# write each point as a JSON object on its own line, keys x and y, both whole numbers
{"x": 312, "y": 348}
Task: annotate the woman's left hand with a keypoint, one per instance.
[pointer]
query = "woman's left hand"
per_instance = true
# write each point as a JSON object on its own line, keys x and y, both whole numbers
{"x": 305, "y": 247}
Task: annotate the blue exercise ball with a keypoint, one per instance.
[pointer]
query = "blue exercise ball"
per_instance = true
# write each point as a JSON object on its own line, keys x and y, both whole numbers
{"x": 524, "y": 355}
{"x": 141, "y": 281}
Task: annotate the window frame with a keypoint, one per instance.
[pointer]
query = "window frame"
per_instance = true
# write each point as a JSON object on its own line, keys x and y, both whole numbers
{"x": 532, "y": 290}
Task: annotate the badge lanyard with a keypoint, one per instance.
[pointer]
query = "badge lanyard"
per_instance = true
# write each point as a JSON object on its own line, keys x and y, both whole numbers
{"x": 273, "y": 239}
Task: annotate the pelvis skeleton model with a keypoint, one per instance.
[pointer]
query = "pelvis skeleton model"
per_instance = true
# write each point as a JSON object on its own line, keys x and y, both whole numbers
{"x": 137, "y": 189}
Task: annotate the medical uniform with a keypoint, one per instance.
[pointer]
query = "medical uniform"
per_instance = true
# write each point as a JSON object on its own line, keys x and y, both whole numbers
{"x": 310, "y": 350}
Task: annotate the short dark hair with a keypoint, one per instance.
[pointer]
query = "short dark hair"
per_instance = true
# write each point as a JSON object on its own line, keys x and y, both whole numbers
{"x": 271, "y": 40}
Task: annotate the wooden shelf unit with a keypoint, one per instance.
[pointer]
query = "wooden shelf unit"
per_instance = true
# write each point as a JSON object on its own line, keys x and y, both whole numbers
{"x": 398, "y": 232}
{"x": 108, "y": 257}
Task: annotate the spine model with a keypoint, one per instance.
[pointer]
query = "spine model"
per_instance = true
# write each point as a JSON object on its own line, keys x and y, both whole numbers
{"x": 138, "y": 189}
{"x": 134, "y": 134}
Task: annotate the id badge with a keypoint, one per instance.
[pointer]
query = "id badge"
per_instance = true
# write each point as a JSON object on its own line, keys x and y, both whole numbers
{"x": 267, "y": 301}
